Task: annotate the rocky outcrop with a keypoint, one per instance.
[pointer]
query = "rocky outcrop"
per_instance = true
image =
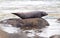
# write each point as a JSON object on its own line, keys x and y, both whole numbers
{"x": 33, "y": 23}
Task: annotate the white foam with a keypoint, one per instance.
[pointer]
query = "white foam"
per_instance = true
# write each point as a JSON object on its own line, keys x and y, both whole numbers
{"x": 8, "y": 28}
{"x": 53, "y": 29}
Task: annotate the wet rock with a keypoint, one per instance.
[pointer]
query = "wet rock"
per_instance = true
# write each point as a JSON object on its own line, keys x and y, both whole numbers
{"x": 58, "y": 20}
{"x": 15, "y": 22}
{"x": 17, "y": 35}
{"x": 3, "y": 34}
{"x": 11, "y": 33}
{"x": 33, "y": 23}
{"x": 36, "y": 36}
{"x": 55, "y": 36}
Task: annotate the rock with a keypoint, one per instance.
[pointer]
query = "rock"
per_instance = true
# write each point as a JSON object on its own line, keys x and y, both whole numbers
{"x": 55, "y": 36}
{"x": 33, "y": 14}
{"x": 12, "y": 33}
{"x": 15, "y": 22}
{"x": 36, "y": 36}
{"x": 18, "y": 35}
{"x": 33, "y": 23}
{"x": 58, "y": 20}
{"x": 3, "y": 34}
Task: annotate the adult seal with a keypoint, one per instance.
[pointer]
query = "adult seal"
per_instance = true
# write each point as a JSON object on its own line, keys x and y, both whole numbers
{"x": 33, "y": 14}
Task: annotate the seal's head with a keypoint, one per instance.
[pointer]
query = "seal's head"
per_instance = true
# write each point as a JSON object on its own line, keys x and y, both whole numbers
{"x": 39, "y": 14}
{"x": 43, "y": 13}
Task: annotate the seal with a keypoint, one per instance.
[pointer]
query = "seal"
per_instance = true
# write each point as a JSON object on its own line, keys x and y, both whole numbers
{"x": 33, "y": 14}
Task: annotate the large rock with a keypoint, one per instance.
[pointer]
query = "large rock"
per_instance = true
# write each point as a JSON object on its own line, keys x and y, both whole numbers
{"x": 33, "y": 23}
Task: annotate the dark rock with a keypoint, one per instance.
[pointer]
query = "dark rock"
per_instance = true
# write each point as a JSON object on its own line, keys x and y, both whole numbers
{"x": 33, "y": 23}
{"x": 36, "y": 36}
{"x": 15, "y": 22}
{"x": 58, "y": 20}
{"x": 33, "y": 14}
{"x": 55, "y": 36}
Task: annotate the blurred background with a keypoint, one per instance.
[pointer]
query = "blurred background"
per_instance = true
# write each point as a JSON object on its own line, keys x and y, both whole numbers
{"x": 52, "y": 7}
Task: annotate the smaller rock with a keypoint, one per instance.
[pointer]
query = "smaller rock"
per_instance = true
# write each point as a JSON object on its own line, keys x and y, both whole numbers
{"x": 36, "y": 36}
{"x": 33, "y": 23}
{"x": 15, "y": 22}
{"x": 18, "y": 35}
{"x": 58, "y": 20}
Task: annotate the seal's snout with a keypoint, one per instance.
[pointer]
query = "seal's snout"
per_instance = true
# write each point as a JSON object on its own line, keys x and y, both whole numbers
{"x": 44, "y": 14}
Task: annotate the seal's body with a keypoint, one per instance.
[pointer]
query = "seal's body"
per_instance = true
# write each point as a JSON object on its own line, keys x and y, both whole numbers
{"x": 34, "y": 14}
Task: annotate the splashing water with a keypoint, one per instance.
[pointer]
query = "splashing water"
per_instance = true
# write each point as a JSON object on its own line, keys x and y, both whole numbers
{"x": 8, "y": 28}
{"x": 53, "y": 29}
